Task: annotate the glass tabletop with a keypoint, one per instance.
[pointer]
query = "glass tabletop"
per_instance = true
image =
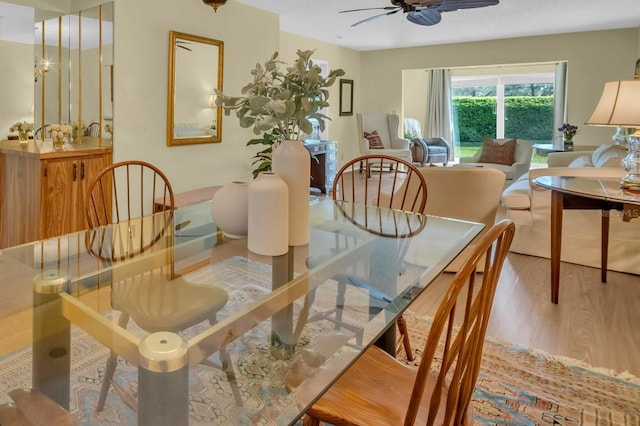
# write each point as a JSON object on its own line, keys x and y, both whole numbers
{"x": 205, "y": 331}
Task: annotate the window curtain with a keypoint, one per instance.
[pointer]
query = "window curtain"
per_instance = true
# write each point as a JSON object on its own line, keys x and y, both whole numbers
{"x": 439, "y": 105}
{"x": 559, "y": 103}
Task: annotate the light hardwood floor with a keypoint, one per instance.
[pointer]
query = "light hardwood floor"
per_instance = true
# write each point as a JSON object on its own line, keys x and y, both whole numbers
{"x": 593, "y": 322}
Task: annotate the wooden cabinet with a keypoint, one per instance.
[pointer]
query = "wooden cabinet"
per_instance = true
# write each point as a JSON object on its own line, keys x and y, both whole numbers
{"x": 324, "y": 163}
{"x": 42, "y": 190}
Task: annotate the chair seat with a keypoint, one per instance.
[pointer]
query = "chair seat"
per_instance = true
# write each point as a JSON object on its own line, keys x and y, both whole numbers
{"x": 374, "y": 377}
{"x": 436, "y": 150}
{"x": 156, "y": 303}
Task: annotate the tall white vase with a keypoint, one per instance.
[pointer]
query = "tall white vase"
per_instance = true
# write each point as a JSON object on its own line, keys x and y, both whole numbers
{"x": 291, "y": 160}
{"x": 230, "y": 209}
{"x": 268, "y": 215}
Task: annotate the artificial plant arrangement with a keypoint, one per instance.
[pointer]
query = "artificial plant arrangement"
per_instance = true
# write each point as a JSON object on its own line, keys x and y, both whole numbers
{"x": 280, "y": 103}
{"x": 23, "y": 128}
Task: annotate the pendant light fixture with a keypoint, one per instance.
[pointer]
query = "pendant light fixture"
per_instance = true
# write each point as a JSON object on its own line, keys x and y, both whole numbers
{"x": 214, "y": 3}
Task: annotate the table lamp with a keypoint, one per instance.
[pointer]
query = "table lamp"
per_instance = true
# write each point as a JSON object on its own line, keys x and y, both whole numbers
{"x": 619, "y": 106}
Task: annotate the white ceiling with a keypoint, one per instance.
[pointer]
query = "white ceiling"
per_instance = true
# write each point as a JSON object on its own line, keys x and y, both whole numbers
{"x": 320, "y": 20}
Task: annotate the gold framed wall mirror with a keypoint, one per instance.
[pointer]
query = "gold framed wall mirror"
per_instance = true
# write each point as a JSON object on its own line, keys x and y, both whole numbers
{"x": 195, "y": 71}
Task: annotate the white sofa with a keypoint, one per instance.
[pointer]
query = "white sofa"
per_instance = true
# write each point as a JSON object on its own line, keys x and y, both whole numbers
{"x": 529, "y": 206}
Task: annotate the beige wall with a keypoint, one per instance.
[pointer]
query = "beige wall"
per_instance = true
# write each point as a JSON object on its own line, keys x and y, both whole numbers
{"x": 141, "y": 55}
{"x": 141, "y": 52}
{"x": 593, "y": 57}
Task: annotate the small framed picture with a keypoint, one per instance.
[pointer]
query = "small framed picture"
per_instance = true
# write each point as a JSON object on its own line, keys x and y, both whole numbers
{"x": 346, "y": 97}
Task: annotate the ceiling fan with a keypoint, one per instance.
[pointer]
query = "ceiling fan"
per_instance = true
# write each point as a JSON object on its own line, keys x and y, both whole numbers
{"x": 423, "y": 12}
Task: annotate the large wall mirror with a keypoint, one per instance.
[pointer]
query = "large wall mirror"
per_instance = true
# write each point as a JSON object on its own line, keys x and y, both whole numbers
{"x": 195, "y": 71}
{"x": 73, "y": 79}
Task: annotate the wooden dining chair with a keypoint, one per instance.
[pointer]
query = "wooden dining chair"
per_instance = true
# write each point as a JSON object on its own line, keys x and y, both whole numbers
{"x": 122, "y": 196}
{"x": 30, "y": 407}
{"x": 390, "y": 182}
{"x": 92, "y": 129}
{"x": 429, "y": 394}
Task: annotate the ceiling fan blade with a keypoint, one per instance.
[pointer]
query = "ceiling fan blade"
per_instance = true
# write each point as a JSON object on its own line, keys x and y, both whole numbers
{"x": 374, "y": 17}
{"x": 425, "y": 17}
{"x": 451, "y": 5}
{"x": 369, "y": 8}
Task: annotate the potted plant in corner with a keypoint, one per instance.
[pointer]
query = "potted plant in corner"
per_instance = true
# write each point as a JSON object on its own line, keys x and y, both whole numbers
{"x": 281, "y": 103}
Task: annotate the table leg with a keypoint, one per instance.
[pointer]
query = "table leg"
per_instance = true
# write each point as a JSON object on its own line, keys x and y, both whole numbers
{"x": 604, "y": 250}
{"x": 163, "y": 380}
{"x": 557, "y": 202}
{"x": 282, "y": 344}
{"x": 51, "y": 349}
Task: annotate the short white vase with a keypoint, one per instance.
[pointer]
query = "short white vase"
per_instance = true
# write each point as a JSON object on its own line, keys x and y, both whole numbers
{"x": 291, "y": 160}
{"x": 268, "y": 215}
{"x": 230, "y": 209}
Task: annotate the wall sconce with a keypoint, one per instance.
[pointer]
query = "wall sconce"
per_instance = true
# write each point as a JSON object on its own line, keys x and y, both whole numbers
{"x": 215, "y": 4}
{"x": 41, "y": 68}
{"x": 211, "y": 100}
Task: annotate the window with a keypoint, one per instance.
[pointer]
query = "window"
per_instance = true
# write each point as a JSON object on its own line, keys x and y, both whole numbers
{"x": 503, "y": 102}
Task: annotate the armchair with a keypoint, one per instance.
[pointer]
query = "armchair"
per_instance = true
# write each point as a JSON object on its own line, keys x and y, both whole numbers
{"x": 426, "y": 150}
{"x": 387, "y": 127}
{"x": 521, "y": 164}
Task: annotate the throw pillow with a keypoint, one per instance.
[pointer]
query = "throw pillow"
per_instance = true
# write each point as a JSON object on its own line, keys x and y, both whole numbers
{"x": 498, "y": 152}
{"x": 375, "y": 142}
{"x": 608, "y": 155}
{"x": 582, "y": 161}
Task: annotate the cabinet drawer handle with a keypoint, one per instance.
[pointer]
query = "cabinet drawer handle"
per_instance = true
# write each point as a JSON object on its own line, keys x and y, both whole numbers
{"x": 74, "y": 172}
{"x": 82, "y": 171}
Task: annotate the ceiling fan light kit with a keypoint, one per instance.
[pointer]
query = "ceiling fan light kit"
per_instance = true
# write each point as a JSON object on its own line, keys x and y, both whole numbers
{"x": 424, "y": 12}
{"x": 214, "y": 3}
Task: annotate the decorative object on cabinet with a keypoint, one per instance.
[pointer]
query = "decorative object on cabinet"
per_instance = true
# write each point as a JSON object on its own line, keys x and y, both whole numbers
{"x": 346, "y": 97}
{"x": 59, "y": 134}
{"x": 195, "y": 66}
{"x": 43, "y": 189}
{"x": 23, "y": 128}
{"x": 324, "y": 160}
{"x": 230, "y": 209}
{"x": 268, "y": 215}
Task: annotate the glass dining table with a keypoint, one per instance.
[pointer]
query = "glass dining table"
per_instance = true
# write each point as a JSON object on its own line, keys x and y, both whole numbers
{"x": 289, "y": 327}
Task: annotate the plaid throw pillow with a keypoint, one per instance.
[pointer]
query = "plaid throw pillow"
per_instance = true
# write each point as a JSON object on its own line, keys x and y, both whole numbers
{"x": 498, "y": 152}
{"x": 374, "y": 140}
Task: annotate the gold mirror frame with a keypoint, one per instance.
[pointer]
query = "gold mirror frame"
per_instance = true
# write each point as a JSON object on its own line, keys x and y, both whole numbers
{"x": 190, "y": 100}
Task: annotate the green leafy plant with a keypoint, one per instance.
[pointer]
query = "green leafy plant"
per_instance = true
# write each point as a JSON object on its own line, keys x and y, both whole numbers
{"x": 285, "y": 100}
{"x": 262, "y": 159}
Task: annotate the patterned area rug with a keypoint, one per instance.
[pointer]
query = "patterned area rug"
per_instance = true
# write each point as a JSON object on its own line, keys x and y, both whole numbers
{"x": 519, "y": 386}
{"x": 516, "y": 386}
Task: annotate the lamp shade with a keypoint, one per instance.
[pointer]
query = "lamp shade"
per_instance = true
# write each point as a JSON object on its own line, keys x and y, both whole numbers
{"x": 619, "y": 105}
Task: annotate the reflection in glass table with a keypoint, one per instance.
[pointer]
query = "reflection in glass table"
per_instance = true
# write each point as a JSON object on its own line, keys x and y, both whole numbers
{"x": 264, "y": 325}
